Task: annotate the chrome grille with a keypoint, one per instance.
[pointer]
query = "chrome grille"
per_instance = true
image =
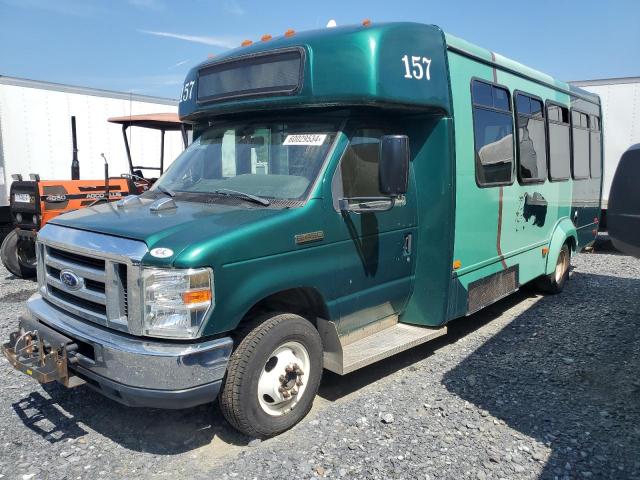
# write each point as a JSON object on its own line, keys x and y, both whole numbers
{"x": 105, "y": 276}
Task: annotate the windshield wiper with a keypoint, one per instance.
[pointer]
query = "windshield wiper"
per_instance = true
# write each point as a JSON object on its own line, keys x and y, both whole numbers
{"x": 166, "y": 191}
{"x": 243, "y": 195}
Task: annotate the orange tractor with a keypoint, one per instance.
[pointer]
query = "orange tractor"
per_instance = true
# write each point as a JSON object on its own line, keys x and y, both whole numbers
{"x": 34, "y": 202}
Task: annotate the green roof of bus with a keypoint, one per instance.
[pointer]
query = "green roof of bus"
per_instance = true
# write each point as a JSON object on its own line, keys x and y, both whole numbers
{"x": 502, "y": 61}
{"x": 360, "y": 73}
{"x": 347, "y": 65}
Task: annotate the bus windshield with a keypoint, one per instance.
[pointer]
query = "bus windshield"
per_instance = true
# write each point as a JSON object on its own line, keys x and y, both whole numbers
{"x": 270, "y": 159}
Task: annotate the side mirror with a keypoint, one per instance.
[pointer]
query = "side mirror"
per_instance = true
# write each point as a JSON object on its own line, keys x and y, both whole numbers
{"x": 393, "y": 165}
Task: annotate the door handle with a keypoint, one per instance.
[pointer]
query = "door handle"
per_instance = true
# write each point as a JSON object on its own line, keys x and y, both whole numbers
{"x": 408, "y": 243}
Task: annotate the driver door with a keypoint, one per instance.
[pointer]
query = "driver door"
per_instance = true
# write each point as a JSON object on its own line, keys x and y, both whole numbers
{"x": 375, "y": 253}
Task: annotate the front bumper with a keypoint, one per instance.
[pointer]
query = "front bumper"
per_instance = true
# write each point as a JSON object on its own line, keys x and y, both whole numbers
{"x": 135, "y": 371}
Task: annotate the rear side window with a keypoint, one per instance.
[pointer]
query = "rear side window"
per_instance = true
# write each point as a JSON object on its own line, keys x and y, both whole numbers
{"x": 595, "y": 154}
{"x": 580, "y": 143}
{"x": 532, "y": 139}
{"x": 559, "y": 142}
{"x": 493, "y": 134}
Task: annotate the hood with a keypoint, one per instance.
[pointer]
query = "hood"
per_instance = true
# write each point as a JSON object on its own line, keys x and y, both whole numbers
{"x": 189, "y": 224}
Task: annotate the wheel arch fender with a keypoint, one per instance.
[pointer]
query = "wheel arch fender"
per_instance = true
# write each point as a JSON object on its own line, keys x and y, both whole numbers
{"x": 251, "y": 298}
{"x": 307, "y": 302}
{"x": 563, "y": 232}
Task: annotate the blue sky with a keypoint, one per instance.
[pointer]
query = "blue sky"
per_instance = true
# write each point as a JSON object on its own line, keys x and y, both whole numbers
{"x": 147, "y": 46}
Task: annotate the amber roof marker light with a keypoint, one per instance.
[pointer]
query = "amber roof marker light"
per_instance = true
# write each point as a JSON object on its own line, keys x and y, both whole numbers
{"x": 366, "y": 22}
{"x": 290, "y": 33}
{"x": 266, "y": 37}
{"x": 246, "y": 43}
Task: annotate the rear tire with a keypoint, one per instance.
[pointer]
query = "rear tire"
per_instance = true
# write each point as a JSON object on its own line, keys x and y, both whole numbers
{"x": 18, "y": 255}
{"x": 273, "y": 375}
{"x": 554, "y": 282}
{"x": 5, "y": 229}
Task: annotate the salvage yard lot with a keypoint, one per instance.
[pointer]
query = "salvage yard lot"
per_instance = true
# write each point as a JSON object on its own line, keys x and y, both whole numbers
{"x": 532, "y": 387}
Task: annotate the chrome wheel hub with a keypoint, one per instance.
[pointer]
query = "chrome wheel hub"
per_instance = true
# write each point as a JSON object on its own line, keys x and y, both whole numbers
{"x": 281, "y": 383}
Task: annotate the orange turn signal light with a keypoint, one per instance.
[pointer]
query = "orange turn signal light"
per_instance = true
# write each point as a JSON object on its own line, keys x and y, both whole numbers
{"x": 196, "y": 296}
{"x": 457, "y": 264}
{"x": 246, "y": 43}
{"x": 290, "y": 33}
{"x": 545, "y": 250}
{"x": 366, "y": 22}
{"x": 266, "y": 37}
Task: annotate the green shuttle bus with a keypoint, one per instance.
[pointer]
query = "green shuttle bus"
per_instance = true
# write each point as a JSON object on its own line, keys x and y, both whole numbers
{"x": 348, "y": 192}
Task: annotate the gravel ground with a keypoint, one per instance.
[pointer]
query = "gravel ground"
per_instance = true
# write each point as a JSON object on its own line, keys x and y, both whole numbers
{"x": 533, "y": 387}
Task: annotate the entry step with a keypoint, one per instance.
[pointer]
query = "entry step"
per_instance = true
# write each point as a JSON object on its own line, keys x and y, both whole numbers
{"x": 348, "y": 356}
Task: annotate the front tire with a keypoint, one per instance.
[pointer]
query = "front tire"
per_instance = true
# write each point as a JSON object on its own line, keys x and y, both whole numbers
{"x": 18, "y": 255}
{"x": 555, "y": 281}
{"x": 273, "y": 375}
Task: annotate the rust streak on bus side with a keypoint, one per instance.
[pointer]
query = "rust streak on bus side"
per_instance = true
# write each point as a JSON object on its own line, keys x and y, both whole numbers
{"x": 498, "y": 247}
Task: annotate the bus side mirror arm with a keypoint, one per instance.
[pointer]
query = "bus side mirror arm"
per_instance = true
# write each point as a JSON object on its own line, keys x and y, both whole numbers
{"x": 366, "y": 204}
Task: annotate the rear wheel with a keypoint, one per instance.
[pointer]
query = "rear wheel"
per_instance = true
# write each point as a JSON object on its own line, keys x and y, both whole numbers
{"x": 273, "y": 375}
{"x": 554, "y": 282}
{"x": 5, "y": 229}
{"x": 19, "y": 255}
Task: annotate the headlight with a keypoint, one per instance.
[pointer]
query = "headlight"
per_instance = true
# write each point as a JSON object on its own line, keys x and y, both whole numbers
{"x": 176, "y": 301}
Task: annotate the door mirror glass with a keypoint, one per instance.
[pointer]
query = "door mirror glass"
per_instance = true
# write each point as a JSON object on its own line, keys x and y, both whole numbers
{"x": 393, "y": 165}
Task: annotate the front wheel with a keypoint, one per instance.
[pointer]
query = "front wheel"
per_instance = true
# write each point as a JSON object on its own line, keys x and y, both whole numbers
{"x": 273, "y": 375}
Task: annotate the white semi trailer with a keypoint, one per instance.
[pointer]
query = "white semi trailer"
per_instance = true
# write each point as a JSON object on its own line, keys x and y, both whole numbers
{"x": 35, "y": 132}
{"x": 620, "y": 100}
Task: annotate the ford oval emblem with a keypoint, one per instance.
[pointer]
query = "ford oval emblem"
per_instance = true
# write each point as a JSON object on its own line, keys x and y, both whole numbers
{"x": 70, "y": 280}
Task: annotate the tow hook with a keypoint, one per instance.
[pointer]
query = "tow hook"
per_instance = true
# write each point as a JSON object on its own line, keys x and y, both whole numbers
{"x": 42, "y": 353}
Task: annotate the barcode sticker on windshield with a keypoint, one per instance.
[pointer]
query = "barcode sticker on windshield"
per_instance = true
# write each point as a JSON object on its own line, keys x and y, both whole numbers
{"x": 305, "y": 139}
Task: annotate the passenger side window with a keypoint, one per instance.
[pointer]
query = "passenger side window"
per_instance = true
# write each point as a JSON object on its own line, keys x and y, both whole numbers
{"x": 580, "y": 141}
{"x": 532, "y": 139}
{"x": 493, "y": 134}
{"x": 559, "y": 143}
{"x": 595, "y": 148}
{"x": 357, "y": 174}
